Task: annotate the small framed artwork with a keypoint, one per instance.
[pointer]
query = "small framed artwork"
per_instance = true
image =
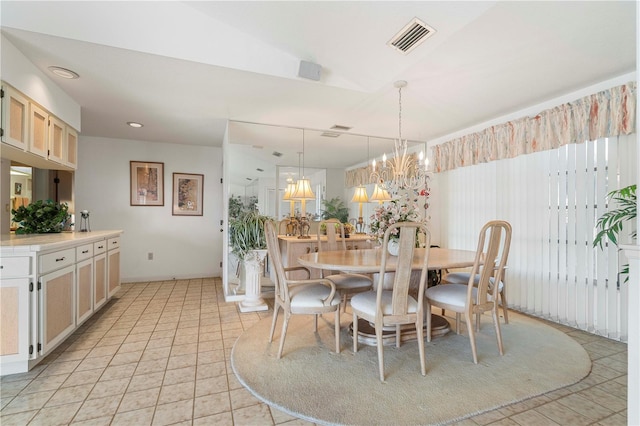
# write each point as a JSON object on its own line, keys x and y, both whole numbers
{"x": 147, "y": 183}
{"x": 18, "y": 188}
{"x": 187, "y": 194}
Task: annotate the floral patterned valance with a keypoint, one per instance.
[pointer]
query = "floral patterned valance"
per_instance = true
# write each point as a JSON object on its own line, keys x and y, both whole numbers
{"x": 611, "y": 112}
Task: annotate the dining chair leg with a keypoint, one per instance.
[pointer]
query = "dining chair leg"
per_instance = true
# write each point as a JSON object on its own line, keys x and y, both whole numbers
{"x": 503, "y": 302}
{"x": 428, "y": 315}
{"x": 355, "y": 332}
{"x": 276, "y": 308}
{"x": 457, "y": 323}
{"x": 496, "y": 322}
{"x": 472, "y": 336}
{"x": 315, "y": 323}
{"x": 337, "y": 329}
{"x": 344, "y": 303}
{"x": 398, "y": 335}
{"x": 285, "y": 324}
{"x": 420, "y": 334}
{"x": 380, "y": 351}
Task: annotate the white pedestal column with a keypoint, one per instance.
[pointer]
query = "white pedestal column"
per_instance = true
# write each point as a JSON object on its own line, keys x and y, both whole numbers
{"x": 253, "y": 263}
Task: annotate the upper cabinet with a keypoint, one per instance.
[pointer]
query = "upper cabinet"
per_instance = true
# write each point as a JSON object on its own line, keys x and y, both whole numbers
{"x": 15, "y": 117}
{"x": 34, "y": 136}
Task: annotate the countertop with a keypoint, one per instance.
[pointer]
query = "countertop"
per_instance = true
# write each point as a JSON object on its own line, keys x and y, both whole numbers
{"x": 10, "y": 243}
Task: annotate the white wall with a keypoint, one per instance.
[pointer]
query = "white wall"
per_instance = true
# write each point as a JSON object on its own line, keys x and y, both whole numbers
{"x": 183, "y": 246}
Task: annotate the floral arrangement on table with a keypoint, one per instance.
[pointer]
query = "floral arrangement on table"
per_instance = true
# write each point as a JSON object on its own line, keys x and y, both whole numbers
{"x": 403, "y": 208}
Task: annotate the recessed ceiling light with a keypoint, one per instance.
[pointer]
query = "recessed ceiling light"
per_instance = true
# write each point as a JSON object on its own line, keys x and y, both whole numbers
{"x": 134, "y": 124}
{"x": 63, "y": 72}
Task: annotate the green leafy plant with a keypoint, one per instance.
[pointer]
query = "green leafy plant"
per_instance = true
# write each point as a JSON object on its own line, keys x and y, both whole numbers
{"x": 335, "y": 209}
{"x": 41, "y": 217}
{"x": 246, "y": 233}
{"x": 610, "y": 224}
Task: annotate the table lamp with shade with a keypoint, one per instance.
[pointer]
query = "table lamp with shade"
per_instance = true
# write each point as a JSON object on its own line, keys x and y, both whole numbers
{"x": 302, "y": 193}
{"x": 360, "y": 196}
{"x": 292, "y": 222}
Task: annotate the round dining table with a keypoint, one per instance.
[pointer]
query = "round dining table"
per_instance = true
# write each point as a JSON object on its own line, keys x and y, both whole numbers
{"x": 369, "y": 261}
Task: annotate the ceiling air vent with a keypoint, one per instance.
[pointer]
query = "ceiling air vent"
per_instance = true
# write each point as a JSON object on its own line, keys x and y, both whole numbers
{"x": 411, "y": 36}
{"x": 340, "y": 127}
{"x": 330, "y": 134}
{"x": 276, "y": 154}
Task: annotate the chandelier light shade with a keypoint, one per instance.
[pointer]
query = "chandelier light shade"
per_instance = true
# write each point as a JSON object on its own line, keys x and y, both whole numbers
{"x": 404, "y": 170}
{"x": 360, "y": 196}
{"x": 380, "y": 194}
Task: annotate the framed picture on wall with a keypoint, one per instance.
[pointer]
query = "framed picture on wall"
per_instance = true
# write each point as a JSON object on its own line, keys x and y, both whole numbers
{"x": 188, "y": 189}
{"x": 147, "y": 183}
{"x": 18, "y": 188}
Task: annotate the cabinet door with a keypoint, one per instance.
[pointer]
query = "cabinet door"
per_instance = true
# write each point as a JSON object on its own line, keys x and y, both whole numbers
{"x": 14, "y": 317}
{"x": 84, "y": 290}
{"x": 57, "y": 302}
{"x": 100, "y": 280}
{"x": 57, "y": 140}
{"x": 113, "y": 271}
{"x": 72, "y": 147}
{"x": 38, "y": 131}
{"x": 15, "y": 118}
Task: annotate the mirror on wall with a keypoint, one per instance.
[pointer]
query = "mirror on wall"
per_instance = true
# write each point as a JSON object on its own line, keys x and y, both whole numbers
{"x": 260, "y": 159}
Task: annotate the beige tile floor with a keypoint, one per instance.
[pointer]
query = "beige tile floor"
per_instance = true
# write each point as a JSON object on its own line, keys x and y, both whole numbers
{"x": 159, "y": 354}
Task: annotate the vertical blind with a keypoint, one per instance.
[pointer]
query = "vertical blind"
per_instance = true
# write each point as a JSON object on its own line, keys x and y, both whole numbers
{"x": 552, "y": 199}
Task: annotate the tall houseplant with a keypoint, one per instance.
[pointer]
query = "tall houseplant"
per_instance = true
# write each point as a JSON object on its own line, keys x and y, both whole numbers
{"x": 248, "y": 243}
{"x": 609, "y": 225}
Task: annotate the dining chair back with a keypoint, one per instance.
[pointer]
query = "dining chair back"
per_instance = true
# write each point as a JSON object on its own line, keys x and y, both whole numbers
{"x": 310, "y": 296}
{"x": 347, "y": 284}
{"x": 478, "y": 295}
{"x": 396, "y": 306}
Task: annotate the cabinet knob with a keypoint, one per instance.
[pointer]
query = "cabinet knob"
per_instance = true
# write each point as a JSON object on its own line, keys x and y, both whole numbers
{"x": 60, "y": 259}
{"x": 85, "y": 251}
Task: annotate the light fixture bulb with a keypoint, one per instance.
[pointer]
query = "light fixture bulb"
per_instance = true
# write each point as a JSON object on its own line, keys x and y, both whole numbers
{"x": 134, "y": 124}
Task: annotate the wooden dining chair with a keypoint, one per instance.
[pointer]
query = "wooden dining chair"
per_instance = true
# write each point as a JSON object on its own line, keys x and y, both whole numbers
{"x": 347, "y": 284}
{"x": 306, "y": 297}
{"x": 471, "y": 299}
{"x": 396, "y": 306}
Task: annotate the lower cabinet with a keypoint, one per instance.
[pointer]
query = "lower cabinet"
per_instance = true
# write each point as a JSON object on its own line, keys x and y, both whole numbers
{"x": 15, "y": 336}
{"x": 48, "y": 289}
{"x": 57, "y": 301}
{"x": 84, "y": 297}
{"x": 100, "y": 282}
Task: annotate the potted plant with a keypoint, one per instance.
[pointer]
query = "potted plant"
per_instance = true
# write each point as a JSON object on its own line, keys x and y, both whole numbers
{"x": 609, "y": 225}
{"x": 335, "y": 209}
{"x": 248, "y": 243}
{"x": 41, "y": 217}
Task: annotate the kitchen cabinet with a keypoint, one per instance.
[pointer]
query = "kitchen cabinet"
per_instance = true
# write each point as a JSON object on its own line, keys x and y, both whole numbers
{"x": 49, "y": 285}
{"x": 34, "y": 136}
{"x": 113, "y": 265}
{"x": 15, "y": 117}
{"x": 38, "y": 131}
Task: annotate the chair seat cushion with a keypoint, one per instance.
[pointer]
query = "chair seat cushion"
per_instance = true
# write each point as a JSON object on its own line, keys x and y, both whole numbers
{"x": 366, "y": 303}
{"x": 450, "y": 294}
{"x": 463, "y": 278}
{"x": 311, "y": 296}
{"x": 350, "y": 281}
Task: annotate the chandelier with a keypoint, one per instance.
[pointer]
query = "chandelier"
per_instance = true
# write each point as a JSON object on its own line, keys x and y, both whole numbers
{"x": 404, "y": 170}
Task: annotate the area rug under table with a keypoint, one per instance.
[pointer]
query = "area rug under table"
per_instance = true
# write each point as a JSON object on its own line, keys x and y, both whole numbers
{"x": 314, "y": 383}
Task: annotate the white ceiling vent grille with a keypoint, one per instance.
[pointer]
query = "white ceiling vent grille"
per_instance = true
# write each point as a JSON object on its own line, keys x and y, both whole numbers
{"x": 411, "y": 36}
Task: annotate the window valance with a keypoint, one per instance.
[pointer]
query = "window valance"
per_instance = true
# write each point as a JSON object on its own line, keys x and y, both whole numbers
{"x": 611, "y": 112}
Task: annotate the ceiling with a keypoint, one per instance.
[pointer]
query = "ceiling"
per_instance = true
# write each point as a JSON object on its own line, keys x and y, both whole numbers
{"x": 184, "y": 68}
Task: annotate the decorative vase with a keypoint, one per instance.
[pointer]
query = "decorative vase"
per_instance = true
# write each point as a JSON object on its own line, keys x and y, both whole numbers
{"x": 393, "y": 247}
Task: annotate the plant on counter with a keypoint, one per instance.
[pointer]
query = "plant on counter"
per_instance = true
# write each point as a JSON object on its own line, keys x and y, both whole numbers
{"x": 41, "y": 217}
{"x": 246, "y": 233}
{"x": 348, "y": 228}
